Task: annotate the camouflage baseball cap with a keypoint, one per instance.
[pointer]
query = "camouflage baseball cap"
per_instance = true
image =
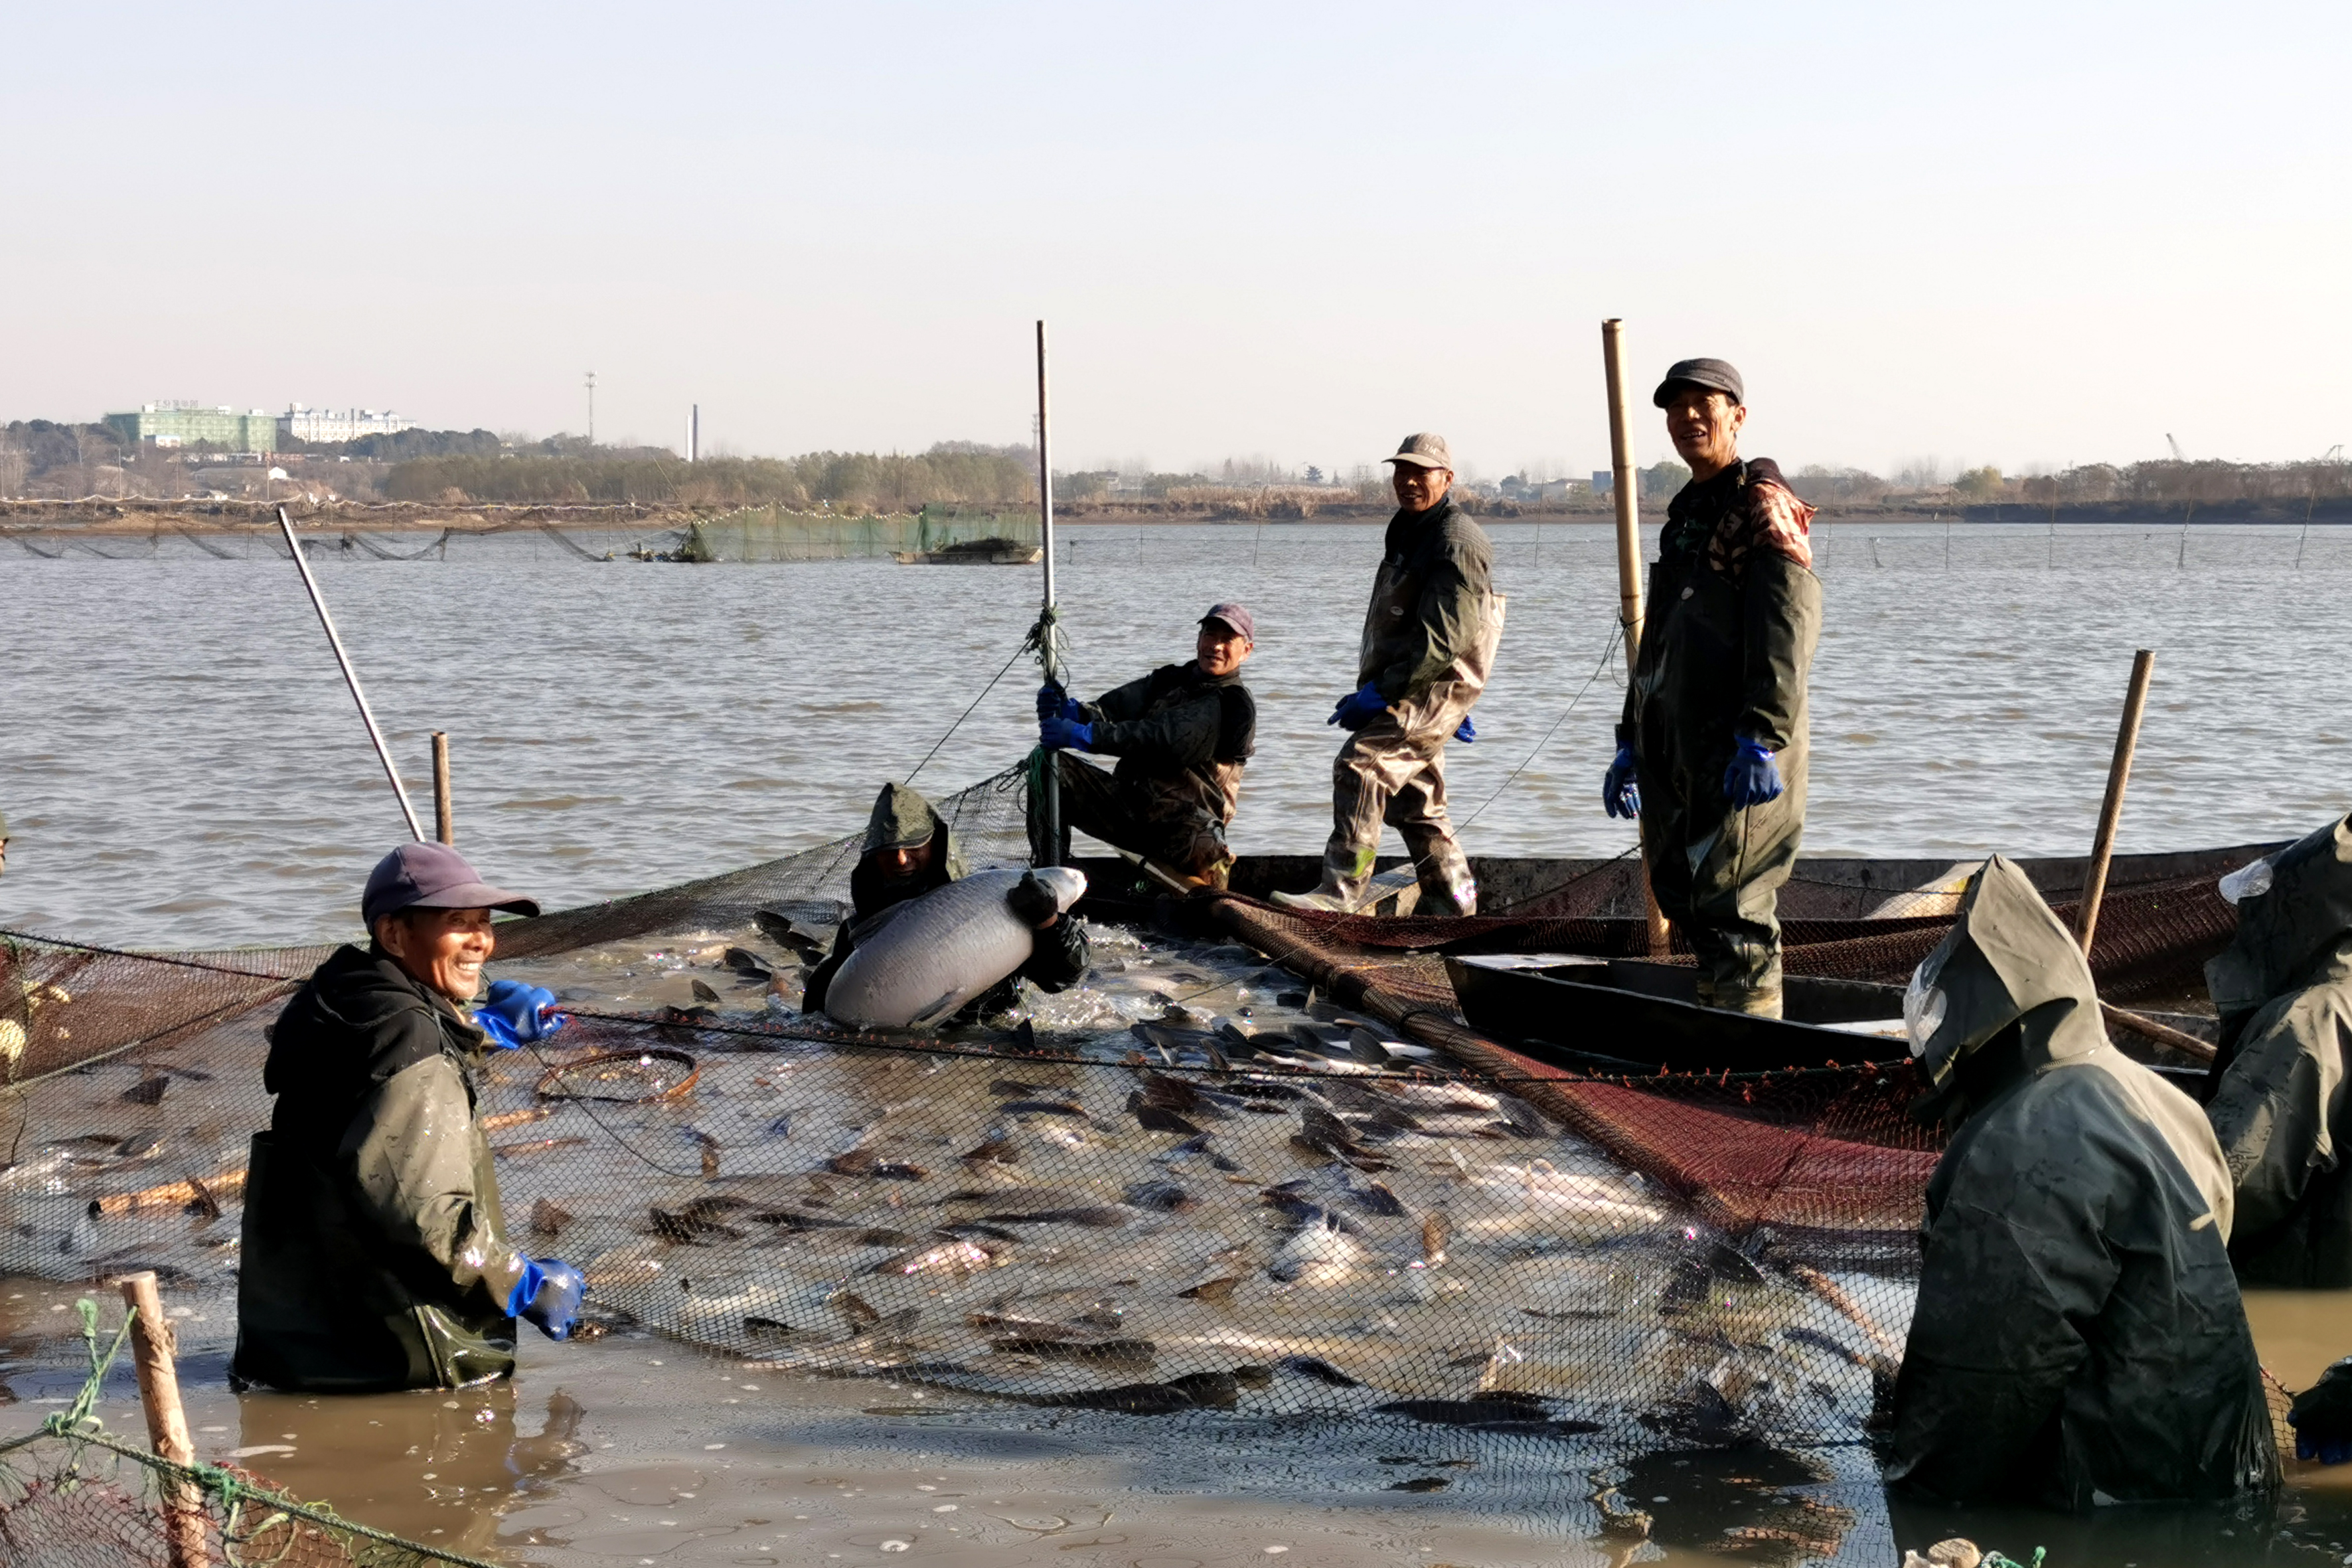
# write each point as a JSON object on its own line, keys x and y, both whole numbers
{"x": 1425, "y": 450}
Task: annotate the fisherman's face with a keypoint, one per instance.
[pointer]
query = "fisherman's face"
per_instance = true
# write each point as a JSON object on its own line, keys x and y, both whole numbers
{"x": 1419, "y": 488}
{"x": 1220, "y": 650}
{"x": 444, "y": 949}
{"x": 1705, "y": 429}
{"x": 902, "y": 860}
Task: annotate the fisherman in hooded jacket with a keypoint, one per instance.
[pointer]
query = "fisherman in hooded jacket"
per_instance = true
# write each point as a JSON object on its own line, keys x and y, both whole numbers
{"x": 374, "y": 1252}
{"x": 1712, "y": 750}
{"x": 910, "y": 850}
{"x": 2278, "y": 1103}
{"x": 2078, "y": 1336}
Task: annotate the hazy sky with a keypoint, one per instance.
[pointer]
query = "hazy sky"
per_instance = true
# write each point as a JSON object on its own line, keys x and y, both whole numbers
{"x": 2027, "y": 234}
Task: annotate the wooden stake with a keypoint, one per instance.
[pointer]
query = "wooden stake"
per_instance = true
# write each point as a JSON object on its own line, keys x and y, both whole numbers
{"x": 445, "y": 820}
{"x": 1622, "y": 484}
{"x": 167, "y": 1424}
{"x": 2103, "y": 848}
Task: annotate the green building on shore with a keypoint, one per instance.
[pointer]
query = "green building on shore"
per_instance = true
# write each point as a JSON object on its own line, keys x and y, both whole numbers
{"x": 184, "y": 424}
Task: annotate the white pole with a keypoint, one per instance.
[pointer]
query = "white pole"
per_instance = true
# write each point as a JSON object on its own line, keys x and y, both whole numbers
{"x": 1048, "y": 651}
{"x": 350, "y": 677}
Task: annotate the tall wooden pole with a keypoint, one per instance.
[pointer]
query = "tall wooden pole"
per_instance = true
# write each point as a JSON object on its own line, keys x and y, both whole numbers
{"x": 1623, "y": 489}
{"x": 445, "y": 817}
{"x": 167, "y": 1423}
{"x": 1049, "y": 642}
{"x": 2111, "y": 811}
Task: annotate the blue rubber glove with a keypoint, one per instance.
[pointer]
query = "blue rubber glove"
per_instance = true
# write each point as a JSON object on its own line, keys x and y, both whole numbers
{"x": 1358, "y": 707}
{"x": 1052, "y": 702}
{"x": 548, "y": 1297}
{"x": 1752, "y": 779}
{"x": 1060, "y": 734}
{"x": 514, "y": 1013}
{"x": 1468, "y": 732}
{"x": 1621, "y": 792}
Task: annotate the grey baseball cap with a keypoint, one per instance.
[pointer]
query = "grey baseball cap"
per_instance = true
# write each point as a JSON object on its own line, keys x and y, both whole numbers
{"x": 1425, "y": 451}
{"x": 433, "y": 877}
{"x": 1235, "y": 617}
{"x": 1715, "y": 374}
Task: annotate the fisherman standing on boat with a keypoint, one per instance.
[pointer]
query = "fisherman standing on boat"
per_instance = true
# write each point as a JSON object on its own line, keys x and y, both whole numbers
{"x": 910, "y": 850}
{"x": 2078, "y": 1337}
{"x": 375, "y": 1254}
{"x": 2281, "y": 1101}
{"x": 1430, "y": 637}
{"x": 1181, "y": 735}
{"x": 1714, "y": 723}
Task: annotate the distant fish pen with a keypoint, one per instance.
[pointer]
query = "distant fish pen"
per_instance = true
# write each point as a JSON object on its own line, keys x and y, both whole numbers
{"x": 774, "y": 533}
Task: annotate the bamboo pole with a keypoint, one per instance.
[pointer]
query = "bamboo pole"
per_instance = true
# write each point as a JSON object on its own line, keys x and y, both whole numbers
{"x": 167, "y": 1423}
{"x": 2103, "y": 848}
{"x": 1629, "y": 556}
{"x": 445, "y": 820}
{"x": 1048, "y": 651}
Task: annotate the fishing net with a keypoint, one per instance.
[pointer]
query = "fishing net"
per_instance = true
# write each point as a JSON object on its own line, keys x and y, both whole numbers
{"x": 1256, "y": 1166}
{"x": 75, "y": 1495}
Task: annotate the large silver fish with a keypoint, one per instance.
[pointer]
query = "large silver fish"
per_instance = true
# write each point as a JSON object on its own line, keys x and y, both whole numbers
{"x": 942, "y": 950}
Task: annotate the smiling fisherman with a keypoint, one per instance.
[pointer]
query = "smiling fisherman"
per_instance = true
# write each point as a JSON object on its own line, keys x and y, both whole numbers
{"x": 1182, "y": 734}
{"x": 1429, "y": 636}
{"x": 374, "y": 1255}
{"x": 1711, "y": 752}
{"x": 2079, "y": 1338}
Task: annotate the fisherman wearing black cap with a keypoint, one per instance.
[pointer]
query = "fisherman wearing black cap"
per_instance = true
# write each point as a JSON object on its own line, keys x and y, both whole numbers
{"x": 1711, "y": 752}
{"x": 1182, "y": 734}
{"x": 1429, "y": 636}
{"x": 375, "y": 1254}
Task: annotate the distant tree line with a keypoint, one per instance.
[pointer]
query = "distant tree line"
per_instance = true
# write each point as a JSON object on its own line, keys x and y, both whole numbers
{"x": 961, "y": 472}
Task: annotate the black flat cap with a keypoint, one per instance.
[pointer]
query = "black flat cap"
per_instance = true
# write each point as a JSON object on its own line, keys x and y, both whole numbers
{"x": 1715, "y": 374}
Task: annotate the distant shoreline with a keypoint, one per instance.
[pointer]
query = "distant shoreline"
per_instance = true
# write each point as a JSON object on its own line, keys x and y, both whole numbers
{"x": 132, "y": 516}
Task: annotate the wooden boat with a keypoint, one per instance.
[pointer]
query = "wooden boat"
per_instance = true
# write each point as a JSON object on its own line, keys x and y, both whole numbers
{"x": 1629, "y": 1015}
{"x": 974, "y": 552}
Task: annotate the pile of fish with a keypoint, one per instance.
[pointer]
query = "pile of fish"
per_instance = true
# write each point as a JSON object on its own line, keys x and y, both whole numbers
{"x": 1238, "y": 1198}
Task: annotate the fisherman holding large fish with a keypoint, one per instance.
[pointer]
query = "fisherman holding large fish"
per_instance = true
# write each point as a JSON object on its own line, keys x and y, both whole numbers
{"x": 924, "y": 941}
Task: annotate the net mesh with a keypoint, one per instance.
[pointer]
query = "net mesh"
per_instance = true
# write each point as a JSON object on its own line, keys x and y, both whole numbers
{"x": 1258, "y": 1162}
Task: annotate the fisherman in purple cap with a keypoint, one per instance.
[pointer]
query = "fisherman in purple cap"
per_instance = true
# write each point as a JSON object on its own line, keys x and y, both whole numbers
{"x": 375, "y": 1254}
{"x": 1181, "y": 735}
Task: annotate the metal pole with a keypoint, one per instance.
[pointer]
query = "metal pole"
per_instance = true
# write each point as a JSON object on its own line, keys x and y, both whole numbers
{"x": 1622, "y": 484}
{"x": 350, "y": 677}
{"x": 1048, "y": 642}
{"x": 2102, "y": 849}
{"x": 167, "y": 1422}
{"x": 445, "y": 817}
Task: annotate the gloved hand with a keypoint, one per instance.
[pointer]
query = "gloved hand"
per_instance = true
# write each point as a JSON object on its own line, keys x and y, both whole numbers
{"x": 1468, "y": 732}
{"x": 1060, "y": 734}
{"x": 548, "y": 1296}
{"x": 1358, "y": 707}
{"x": 2322, "y": 1417}
{"x": 1052, "y": 702}
{"x": 1752, "y": 779}
{"x": 1032, "y": 902}
{"x": 1621, "y": 792}
{"x": 514, "y": 1012}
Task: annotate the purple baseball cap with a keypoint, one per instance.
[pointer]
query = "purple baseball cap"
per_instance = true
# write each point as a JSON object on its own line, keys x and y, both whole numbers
{"x": 1235, "y": 617}
{"x": 433, "y": 877}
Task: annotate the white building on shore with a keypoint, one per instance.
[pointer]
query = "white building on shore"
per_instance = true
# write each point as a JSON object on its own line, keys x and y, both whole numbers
{"x": 301, "y": 424}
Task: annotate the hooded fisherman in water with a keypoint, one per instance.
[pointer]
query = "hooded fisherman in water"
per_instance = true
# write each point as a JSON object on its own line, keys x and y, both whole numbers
{"x": 2078, "y": 1337}
{"x": 2283, "y": 987}
{"x": 909, "y": 851}
{"x": 375, "y": 1253}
